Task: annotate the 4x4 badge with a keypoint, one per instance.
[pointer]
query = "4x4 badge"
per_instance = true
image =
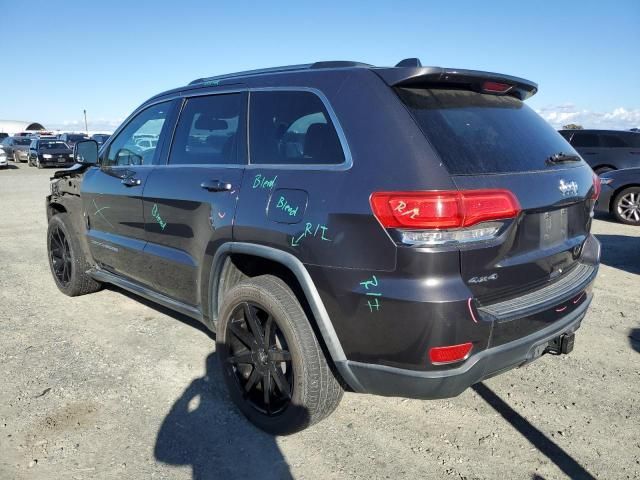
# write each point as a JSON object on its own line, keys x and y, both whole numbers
{"x": 570, "y": 188}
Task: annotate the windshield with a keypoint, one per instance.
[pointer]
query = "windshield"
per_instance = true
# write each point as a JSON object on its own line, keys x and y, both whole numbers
{"x": 52, "y": 145}
{"x": 478, "y": 133}
{"x": 22, "y": 141}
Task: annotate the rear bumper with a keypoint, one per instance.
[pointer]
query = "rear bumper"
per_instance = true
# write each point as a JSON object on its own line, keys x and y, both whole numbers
{"x": 604, "y": 200}
{"x": 391, "y": 381}
{"x": 511, "y": 343}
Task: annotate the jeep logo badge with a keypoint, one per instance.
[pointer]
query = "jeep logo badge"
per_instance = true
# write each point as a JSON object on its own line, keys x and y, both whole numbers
{"x": 570, "y": 188}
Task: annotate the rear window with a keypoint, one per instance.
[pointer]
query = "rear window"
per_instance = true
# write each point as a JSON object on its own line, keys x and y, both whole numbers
{"x": 476, "y": 133}
{"x": 52, "y": 145}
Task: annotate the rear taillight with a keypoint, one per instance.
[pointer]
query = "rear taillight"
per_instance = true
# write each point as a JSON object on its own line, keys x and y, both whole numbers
{"x": 436, "y": 210}
{"x": 597, "y": 187}
{"x": 496, "y": 87}
{"x": 450, "y": 354}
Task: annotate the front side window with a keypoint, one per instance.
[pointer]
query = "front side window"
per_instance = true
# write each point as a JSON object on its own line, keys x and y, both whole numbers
{"x": 208, "y": 131}
{"x": 292, "y": 128}
{"x": 126, "y": 148}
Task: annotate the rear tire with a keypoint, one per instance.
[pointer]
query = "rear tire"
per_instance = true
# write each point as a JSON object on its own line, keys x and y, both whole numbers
{"x": 626, "y": 206}
{"x": 66, "y": 259}
{"x": 291, "y": 357}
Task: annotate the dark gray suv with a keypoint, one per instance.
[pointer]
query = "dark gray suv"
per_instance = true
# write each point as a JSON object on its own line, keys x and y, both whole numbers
{"x": 606, "y": 150}
{"x": 402, "y": 231}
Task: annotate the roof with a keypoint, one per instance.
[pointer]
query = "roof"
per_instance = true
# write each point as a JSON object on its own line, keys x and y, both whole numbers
{"x": 406, "y": 73}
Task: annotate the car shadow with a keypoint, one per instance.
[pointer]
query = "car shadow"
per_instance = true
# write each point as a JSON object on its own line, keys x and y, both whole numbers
{"x": 620, "y": 251}
{"x": 634, "y": 339}
{"x": 9, "y": 166}
{"x": 546, "y": 446}
{"x": 203, "y": 430}
{"x": 164, "y": 310}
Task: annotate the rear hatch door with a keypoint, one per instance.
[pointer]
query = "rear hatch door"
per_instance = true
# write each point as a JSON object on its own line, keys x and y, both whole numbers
{"x": 494, "y": 141}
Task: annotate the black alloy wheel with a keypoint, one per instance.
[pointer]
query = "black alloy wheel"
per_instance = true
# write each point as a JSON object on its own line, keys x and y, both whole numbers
{"x": 60, "y": 256}
{"x": 259, "y": 358}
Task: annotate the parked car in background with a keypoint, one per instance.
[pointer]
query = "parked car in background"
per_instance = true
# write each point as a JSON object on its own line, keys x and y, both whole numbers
{"x": 100, "y": 138}
{"x": 4, "y": 163}
{"x": 339, "y": 225}
{"x": 620, "y": 195}
{"x": 606, "y": 150}
{"x": 16, "y": 148}
{"x": 72, "y": 138}
{"x": 49, "y": 152}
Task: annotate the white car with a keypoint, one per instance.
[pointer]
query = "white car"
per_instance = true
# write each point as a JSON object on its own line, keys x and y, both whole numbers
{"x": 3, "y": 159}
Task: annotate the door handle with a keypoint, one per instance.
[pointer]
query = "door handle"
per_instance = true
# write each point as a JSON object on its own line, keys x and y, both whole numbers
{"x": 216, "y": 186}
{"x": 130, "y": 182}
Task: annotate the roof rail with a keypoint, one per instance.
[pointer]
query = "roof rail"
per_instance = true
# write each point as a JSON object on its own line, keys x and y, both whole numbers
{"x": 248, "y": 73}
{"x": 339, "y": 64}
{"x": 286, "y": 68}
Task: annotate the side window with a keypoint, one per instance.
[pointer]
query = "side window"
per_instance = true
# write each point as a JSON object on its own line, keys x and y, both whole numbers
{"x": 612, "y": 141}
{"x": 292, "y": 128}
{"x": 632, "y": 139}
{"x": 208, "y": 131}
{"x": 136, "y": 143}
{"x": 584, "y": 140}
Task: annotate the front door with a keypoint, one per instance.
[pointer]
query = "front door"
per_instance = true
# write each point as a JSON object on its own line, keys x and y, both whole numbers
{"x": 190, "y": 203}
{"x": 112, "y": 193}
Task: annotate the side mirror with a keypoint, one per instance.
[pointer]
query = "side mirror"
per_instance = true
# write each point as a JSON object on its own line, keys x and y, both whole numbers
{"x": 86, "y": 152}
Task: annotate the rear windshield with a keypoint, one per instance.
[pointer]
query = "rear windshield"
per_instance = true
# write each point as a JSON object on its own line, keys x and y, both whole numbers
{"x": 476, "y": 133}
{"x": 52, "y": 145}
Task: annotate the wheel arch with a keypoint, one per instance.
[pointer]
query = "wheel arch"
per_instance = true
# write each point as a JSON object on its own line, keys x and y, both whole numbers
{"x": 54, "y": 208}
{"x": 603, "y": 165}
{"x": 230, "y": 267}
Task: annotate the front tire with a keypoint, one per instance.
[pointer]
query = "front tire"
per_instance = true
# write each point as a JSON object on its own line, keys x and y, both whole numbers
{"x": 271, "y": 360}
{"x": 38, "y": 164}
{"x": 626, "y": 206}
{"x": 66, "y": 259}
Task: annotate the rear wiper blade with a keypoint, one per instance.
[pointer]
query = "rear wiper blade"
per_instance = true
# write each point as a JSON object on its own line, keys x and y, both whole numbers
{"x": 563, "y": 157}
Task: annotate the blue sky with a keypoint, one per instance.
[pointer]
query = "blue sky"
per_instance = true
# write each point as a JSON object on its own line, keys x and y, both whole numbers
{"x": 62, "y": 57}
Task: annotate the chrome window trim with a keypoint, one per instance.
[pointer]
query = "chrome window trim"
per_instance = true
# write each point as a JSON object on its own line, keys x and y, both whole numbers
{"x": 346, "y": 151}
{"x": 348, "y": 159}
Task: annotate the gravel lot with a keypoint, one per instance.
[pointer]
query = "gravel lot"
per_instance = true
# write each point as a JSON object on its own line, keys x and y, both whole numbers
{"x": 109, "y": 386}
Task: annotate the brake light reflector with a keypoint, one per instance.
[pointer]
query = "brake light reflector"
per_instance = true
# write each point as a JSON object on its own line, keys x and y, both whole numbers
{"x": 450, "y": 354}
{"x": 442, "y": 209}
{"x": 496, "y": 87}
{"x": 597, "y": 187}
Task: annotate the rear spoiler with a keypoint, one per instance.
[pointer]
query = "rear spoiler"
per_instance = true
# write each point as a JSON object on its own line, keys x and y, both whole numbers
{"x": 472, "y": 79}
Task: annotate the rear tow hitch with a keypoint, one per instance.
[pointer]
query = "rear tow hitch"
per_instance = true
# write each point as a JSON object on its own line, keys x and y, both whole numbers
{"x": 562, "y": 344}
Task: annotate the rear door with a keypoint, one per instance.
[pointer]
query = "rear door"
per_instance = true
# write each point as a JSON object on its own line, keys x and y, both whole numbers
{"x": 496, "y": 142}
{"x": 190, "y": 202}
{"x": 112, "y": 194}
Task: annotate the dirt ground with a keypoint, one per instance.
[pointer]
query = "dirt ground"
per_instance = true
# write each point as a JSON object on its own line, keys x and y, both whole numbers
{"x": 109, "y": 386}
